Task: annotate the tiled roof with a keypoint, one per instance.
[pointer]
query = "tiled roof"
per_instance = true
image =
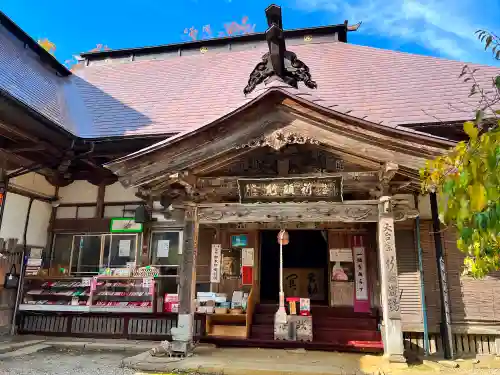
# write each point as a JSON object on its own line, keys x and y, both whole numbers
{"x": 179, "y": 94}
{"x": 174, "y": 94}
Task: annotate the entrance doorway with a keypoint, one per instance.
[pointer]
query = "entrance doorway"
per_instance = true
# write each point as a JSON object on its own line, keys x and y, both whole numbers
{"x": 305, "y": 266}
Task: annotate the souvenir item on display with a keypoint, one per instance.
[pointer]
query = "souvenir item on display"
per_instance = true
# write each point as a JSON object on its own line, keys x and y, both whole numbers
{"x": 338, "y": 273}
{"x": 292, "y": 305}
{"x": 171, "y": 303}
{"x": 237, "y": 299}
{"x": 147, "y": 271}
{"x": 305, "y": 306}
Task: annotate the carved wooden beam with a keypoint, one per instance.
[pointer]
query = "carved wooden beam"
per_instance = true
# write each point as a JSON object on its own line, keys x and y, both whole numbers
{"x": 278, "y": 139}
{"x": 387, "y": 172}
{"x": 385, "y": 175}
{"x": 403, "y": 209}
{"x": 220, "y": 162}
{"x": 211, "y": 187}
{"x": 358, "y": 211}
{"x": 392, "y": 139}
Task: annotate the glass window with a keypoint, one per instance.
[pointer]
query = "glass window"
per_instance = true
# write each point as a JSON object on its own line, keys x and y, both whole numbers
{"x": 86, "y": 212}
{"x": 86, "y": 255}
{"x": 66, "y": 212}
{"x": 165, "y": 248}
{"x": 119, "y": 249}
{"x": 113, "y": 211}
{"x": 61, "y": 254}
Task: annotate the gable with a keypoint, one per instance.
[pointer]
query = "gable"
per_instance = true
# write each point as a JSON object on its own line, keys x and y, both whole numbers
{"x": 292, "y": 159}
{"x": 273, "y": 122}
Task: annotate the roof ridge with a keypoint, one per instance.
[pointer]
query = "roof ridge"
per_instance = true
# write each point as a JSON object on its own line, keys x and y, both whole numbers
{"x": 439, "y": 58}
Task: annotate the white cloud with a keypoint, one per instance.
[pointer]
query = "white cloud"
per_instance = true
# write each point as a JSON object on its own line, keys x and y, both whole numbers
{"x": 446, "y": 27}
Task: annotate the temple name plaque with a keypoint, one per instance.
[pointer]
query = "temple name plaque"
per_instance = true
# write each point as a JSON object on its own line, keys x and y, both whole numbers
{"x": 290, "y": 189}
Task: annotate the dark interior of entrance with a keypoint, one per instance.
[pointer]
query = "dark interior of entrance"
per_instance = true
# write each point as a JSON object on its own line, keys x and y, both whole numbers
{"x": 304, "y": 263}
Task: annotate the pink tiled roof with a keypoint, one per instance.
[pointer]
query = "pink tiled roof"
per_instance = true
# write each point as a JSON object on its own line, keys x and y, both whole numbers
{"x": 178, "y": 94}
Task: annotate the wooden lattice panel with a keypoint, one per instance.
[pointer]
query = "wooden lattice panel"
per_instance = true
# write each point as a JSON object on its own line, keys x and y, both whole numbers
{"x": 97, "y": 325}
{"x": 150, "y": 327}
{"x": 43, "y": 323}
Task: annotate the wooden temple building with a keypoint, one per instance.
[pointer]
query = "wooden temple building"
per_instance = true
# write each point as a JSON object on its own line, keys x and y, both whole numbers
{"x": 167, "y": 174}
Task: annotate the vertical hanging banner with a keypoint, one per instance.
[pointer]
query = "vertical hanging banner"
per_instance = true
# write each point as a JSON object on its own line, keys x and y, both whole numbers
{"x": 246, "y": 275}
{"x": 215, "y": 263}
{"x": 361, "y": 297}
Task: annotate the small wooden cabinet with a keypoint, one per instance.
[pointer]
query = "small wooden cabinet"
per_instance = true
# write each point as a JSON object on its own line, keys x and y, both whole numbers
{"x": 227, "y": 325}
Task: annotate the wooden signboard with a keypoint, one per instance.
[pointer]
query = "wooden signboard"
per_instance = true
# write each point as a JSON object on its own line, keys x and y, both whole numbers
{"x": 125, "y": 225}
{"x": 290, "y": 189}
{"x": 304, "y": 283}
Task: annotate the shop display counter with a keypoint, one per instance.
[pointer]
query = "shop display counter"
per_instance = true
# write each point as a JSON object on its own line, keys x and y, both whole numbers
{"x": 89, "y": 294}
{"x": 122, "y": 294}
{"x": 56, "y": 294}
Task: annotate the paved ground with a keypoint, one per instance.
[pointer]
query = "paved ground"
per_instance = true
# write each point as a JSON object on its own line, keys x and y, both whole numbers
{"x": 57, "y": 362}
{"x": 77, "y": 357}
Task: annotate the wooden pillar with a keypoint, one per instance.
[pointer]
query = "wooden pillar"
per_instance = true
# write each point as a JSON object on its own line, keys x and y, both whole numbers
{"x": 99, "y": 212}
{"x": 445, "y": 325}
{"x": 4, "y": 182}
{"x": 392, "y": 334}
{"x": 187, "y": 281}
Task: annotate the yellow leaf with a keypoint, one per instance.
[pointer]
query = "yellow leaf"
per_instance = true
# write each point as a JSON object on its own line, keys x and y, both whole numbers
{"x": 470, "y": 129}
{"x": 47, "y": 45}
{"x": 478, "y": 198}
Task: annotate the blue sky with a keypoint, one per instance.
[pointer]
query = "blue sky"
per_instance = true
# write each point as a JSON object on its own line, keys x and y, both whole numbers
{"x": 442, "y": 28}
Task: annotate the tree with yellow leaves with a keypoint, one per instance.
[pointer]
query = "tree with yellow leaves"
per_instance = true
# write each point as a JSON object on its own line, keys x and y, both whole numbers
{"x": 47, "y": 45}
{"x": 467, "y": 178}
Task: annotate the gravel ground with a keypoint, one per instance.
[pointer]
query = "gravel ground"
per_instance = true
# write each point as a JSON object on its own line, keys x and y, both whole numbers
{"x": 52, "y": 362}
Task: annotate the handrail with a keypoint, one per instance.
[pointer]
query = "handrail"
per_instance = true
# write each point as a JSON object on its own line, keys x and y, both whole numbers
{"x": 250, "y": 310}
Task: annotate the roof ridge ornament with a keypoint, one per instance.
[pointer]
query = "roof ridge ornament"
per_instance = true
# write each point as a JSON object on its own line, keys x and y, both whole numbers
{"x": 278, "y": 61}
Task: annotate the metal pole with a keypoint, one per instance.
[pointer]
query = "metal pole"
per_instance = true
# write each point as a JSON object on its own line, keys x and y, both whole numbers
{"x": 23, "y": 269}
{"x": 280, "y": 315}
{"x": 3, "y": 193}
{"x": 445, "y": 325}
{"x": 422, "y": 287}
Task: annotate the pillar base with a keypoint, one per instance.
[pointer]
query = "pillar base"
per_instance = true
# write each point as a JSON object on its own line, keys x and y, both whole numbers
{"x": 182, "y": 335}
{"x": 397, "y": 358}
{"x": 392, "y": 339}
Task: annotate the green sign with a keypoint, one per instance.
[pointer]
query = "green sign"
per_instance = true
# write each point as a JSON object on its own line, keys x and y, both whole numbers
{"x": 125, "y": 225}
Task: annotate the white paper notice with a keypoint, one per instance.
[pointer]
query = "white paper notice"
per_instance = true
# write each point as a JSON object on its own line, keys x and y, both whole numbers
{"x": 215, "y": 263}
{"x": 124, "y": 248}
{"x": 163, "y": 248}
{"x": 247, "y": 257}
{"x": 341, "y": 255}
{"x": 360, "y": 274}
{"x": 86, "y": 281}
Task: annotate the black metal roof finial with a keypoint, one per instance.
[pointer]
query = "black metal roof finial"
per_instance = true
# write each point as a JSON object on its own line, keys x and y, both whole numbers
{"x": 278, "y": 61}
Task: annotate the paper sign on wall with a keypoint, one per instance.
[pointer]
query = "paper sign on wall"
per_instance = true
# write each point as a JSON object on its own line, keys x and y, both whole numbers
{"x": 124, "y": 248}
{"x": 147, "y": 282}
{"x": 215, "y": 263}
{"x": 247, "y": 257}
{"x": 163, "y": 248}
{"x": 341, "y": 255}
{"x": 360, "y": 274}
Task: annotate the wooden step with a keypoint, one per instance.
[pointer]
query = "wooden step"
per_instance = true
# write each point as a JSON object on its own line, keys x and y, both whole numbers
{"x": 322, "y": 335}
{"x": 351, "y": 346}
{"x": 345, "y": 335}
{"x": 321, "y": 311}
{"x": 325, "y": 322}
